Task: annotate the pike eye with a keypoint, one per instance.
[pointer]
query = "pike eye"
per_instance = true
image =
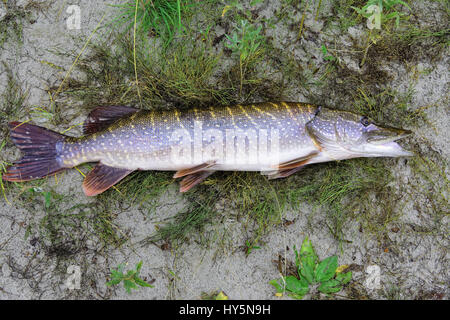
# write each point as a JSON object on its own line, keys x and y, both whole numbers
{"x": 365, "y": 121}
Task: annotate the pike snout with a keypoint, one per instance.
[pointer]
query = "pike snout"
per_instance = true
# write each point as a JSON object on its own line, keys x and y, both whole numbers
{"x": 349, "y": 135}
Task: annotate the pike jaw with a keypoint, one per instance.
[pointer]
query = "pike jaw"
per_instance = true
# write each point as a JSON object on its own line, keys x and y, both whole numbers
{"x": 346, "y": 135}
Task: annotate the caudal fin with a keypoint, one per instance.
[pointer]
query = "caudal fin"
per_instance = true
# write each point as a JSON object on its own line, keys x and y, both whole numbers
{"x": 41, "y": 148}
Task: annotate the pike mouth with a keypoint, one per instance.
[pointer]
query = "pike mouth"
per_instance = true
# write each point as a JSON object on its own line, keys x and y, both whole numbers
{"x": 392, "y": 149}
{"x": 387, "y": 137}
{"x": 382, "y": 143}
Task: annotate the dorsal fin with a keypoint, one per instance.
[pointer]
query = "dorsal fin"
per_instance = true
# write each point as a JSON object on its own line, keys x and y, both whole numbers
{"x": 101, "y": 117}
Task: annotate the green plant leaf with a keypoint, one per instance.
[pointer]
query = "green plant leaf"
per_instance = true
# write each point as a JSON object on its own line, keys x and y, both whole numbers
{"x": 221, "y": 296}
{"x": 129, "y": 284}
{"x": 344, "y": 277}
{"x": 138, "y": 267}
{"x": 296, "y": 296}
{"x": 142, "y": 283}
{"x": 48, "y": 199}
{"x": 115, "y": 274}
{"x": 358, "y": 10}
{"x": 113, "y": 282}
{"x": 307, "y": 265}
{"x": 276, "y": 284}
{"x": 307, "y": 248}
{"x": 308, "y": 260}
{"x": 330, "y": 286}
{"x": 297, "y": 258}
{"x": 326, "y": 269}
{"x": 297, "y": 286}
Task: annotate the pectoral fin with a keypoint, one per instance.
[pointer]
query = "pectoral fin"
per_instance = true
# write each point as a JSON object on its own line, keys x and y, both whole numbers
{"x": 101, "y": 178}
{"x": 194, "y": 179}
{"x": 298, "y": 162}
{"x": 200, "y": 167}
{"x": 284, "y": 173}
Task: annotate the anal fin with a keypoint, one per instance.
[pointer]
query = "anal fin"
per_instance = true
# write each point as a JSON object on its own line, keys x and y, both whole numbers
{"x": 193, "y": 179}
{"x": 101, "y": 178}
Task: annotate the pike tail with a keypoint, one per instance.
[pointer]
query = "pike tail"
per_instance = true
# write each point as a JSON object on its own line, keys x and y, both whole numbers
{"x": 42, "y": 149}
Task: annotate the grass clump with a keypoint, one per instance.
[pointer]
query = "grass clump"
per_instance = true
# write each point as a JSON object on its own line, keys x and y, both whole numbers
{"x": 336, "y": 188}
{"x": 180, "y": 76}
{"x": 388, "y": 106}
{"x": 160, "y": 17}
{"x": 64, "y": 231}
{"x": 260, "y": 204}
{"x": 431, "y": 186}
{"x": 259, "y": 209}
{"x": 132, "y": 188}
{"x": 191, "y": 220}
{"x": 11, "y": 25}
{"x": 11, "y": 107}
{"x": 11, "y": 100}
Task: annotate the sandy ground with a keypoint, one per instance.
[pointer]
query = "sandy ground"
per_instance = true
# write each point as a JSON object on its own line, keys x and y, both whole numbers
{"x": 418, "y": 267}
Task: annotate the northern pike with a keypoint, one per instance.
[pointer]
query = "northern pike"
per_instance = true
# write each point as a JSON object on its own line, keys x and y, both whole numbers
{"x": 276, "y": 138}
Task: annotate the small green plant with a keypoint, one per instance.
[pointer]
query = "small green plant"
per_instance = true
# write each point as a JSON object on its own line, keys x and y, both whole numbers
{"x": 247, "y": 42}
{"x": 325, "y": 274}
{"x": 130, "y": 279}
{"x": 249, "y": 246}
{"x": 326, "y": 55}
